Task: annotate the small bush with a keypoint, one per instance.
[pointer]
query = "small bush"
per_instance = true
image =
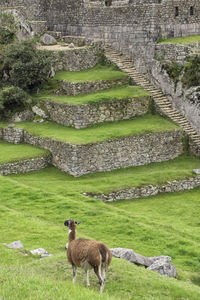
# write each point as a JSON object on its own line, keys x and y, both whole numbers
{"x": 21, "y": 64}
{"x": 7, "y": 28}
{"x": 11, "y": 99}
{"x": 191, "y": 75}
{"x": 174, "y": 70}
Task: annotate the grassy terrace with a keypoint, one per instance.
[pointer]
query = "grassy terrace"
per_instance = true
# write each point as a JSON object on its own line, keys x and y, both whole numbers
{"x": 166, "y": 224}
{"x": 101, "y": 132}
{"x": 182, "y": 40}
{"x": 57, "y": 181}
{"x": 11, "y": 153}
{"x": 119, "y": 93}
{"x": 97, "y": 73}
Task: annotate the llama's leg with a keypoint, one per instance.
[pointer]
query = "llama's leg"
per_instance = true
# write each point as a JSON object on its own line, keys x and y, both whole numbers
{"x": 97, "y": 270}
{"x": 87, "y": 277}
{"x": 103, "y": 272}
{"x": 74, "y": 273}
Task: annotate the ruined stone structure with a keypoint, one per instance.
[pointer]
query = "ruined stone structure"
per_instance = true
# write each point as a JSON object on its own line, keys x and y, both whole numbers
{"x": 132, "y": 26}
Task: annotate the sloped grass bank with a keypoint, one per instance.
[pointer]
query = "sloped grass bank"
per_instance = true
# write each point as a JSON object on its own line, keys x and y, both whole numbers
{"x": 59, "y": 182}
{"x": 101, "y": 132}
{"x": 166, "y": 224}
{"x": 12, "y": 153}
{"x": 118, "y": 93}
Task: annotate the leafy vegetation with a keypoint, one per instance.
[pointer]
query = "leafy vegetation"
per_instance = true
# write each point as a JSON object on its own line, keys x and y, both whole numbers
{"x": 118, "y": 93}
{"x": 101, "y": 132}
{"x": 191, "y": 76}
{"x": 174, "y": 70}
{"x": 12, "y": 98}
{"x": 21, "y": 64}
{"x": 7, "y": 28}
{"x": 11, "y": 153}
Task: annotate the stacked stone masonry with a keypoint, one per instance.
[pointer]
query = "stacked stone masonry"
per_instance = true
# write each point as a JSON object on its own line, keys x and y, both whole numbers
{"x": 28, "y": 165}
{"x": 80, "y": 116}
{"x": 86, "y": 87}
{"x": 150, "y": 190}
{"x": 128, "y": 151}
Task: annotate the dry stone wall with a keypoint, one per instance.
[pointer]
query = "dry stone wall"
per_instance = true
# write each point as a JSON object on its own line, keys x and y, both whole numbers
{"x": 128, "y": 151}
{"x": 149, "y": 190}
{"x": 25, "y": 166}
{"x": 86, "y": 87}
{"x": 80, "y": 116}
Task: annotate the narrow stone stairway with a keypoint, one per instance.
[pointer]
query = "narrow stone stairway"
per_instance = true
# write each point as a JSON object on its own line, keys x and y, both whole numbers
{"x": 159, "y": 98}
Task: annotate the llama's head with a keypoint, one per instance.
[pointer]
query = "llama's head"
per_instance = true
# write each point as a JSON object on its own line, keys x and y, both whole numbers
{"x": 71, "y": 223}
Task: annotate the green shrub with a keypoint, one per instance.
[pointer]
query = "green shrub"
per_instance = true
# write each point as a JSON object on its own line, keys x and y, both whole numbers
{"x": 23, "y": 65}
{"x": 191, "y": 75}
{"x": 12, "y": 98}
{"x": 174, "y": 70}
{"x": 7, "y": 28}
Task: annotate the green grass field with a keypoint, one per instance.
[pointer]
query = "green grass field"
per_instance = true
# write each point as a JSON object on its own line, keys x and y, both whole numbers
{"x": 11, "y": 153}
{"x": 117, "y": 93}
{"x": 101, "y": 132}
{"x": 97, "y": 73}
{"x": 57, "y": 181}
{"x": 166, "y": 224}
{"x": 181, "y": 40}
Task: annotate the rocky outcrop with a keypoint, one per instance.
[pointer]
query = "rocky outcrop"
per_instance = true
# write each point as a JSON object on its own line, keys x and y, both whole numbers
{"x": 160, "y": 264}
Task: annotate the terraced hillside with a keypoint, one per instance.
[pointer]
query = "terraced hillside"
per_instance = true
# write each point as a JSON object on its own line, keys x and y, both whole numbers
{"x": 114, "y": 139}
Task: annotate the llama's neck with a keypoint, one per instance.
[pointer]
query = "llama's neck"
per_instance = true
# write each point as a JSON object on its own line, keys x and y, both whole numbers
{"x": 72, "y": 234}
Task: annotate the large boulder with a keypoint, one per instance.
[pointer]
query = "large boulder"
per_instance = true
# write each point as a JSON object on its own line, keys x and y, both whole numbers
{"x": 48, "y": 39}
{"x": 160, "y": 264}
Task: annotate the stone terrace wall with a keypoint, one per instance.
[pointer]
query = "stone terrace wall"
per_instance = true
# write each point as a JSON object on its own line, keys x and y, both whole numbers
{"x": 129, "y": 151}
{"x": 25, "y": 166}
{"x": 80, "y": 116}
{"x": 149, "y": 190}
{"x": 86, "y": 87}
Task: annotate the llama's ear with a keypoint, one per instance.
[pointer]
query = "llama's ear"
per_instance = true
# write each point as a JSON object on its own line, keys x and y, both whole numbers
{"x": 77, "y": 222}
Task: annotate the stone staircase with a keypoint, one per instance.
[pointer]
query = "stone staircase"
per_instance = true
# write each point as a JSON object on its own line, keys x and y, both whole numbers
{"x": 159, "y": 98}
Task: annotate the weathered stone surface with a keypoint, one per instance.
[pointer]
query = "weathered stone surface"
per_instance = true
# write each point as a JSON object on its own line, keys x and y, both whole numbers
{"x": 24, "y": 166}
{"x": 196, "y": 171}
{"x": 22, "y": 116}
{"x": 163, "y": 268}
{"x": 86, "y": 87}
{"x": 40, "y": 112}
{"x": 150, "y": 190}
{"x": 47, "y": 39}
{"x": 108, "y": 155}
{"x": 131, "y": 256}
{"x": 80, "y": 116}
{"x": 40, "y": 251}
{"x": 15, "y": 245}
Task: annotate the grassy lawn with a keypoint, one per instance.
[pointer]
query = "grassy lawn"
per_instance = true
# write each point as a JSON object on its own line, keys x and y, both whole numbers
{"x": 97, "y": 73}
{"x": 166, "y": 224}
{"x": 11, "y": 153}
{"x": 118, "y": 93}
{"x": 59, "y": 182}
{"x": 181, "y": 40}
{"x": 101, "y": 132}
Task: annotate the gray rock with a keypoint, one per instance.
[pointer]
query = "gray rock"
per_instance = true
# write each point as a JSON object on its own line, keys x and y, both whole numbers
{"x": 40, "y": 251}
{"x": 11, "y": 125}
{"x": 131, "y": 256}
{"x": 196, "y": 171}
{"x": 163, "y": 268}
{"x": 15, "y": 245}
{"x": 22, "y": 116}
{"x": 161, "y": 257}
{"x": 47, "y": 39}
{"x": 38, "y": 111}
{"x": 71, "y": 45}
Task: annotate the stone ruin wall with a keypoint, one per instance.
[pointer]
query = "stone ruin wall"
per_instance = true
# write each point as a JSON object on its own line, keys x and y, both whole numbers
{"x": 131, "y": 26}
